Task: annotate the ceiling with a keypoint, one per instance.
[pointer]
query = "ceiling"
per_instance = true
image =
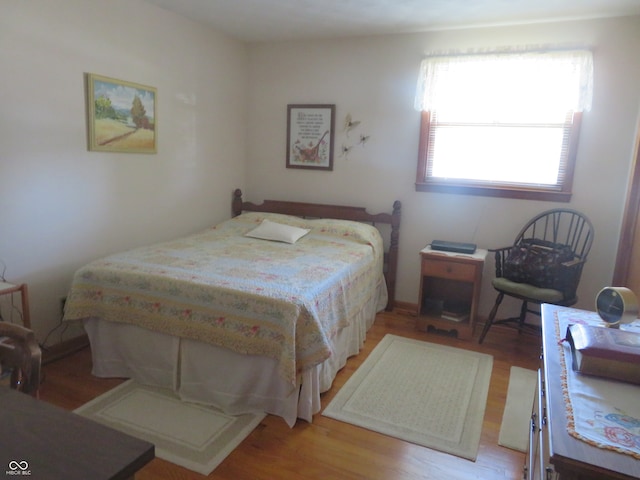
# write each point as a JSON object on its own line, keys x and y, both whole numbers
{"x": 277, "y": 20}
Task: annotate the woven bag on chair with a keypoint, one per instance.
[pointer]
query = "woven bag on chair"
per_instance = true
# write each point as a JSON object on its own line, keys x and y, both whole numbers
{"x": 538, "y": 263}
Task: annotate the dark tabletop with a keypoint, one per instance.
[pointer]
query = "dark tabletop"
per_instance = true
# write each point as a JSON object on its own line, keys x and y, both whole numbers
{"x": 52, "y": 443}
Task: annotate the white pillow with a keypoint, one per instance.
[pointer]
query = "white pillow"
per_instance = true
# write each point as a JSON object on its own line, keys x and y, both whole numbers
{"x": 269, "y": 230}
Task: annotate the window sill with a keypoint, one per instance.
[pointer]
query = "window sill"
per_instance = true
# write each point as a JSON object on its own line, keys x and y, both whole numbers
{"x": 502, "y": 192}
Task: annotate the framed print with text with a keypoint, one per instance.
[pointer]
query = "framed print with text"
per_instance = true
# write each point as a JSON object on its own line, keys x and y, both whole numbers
{"x": 310, "y": 131}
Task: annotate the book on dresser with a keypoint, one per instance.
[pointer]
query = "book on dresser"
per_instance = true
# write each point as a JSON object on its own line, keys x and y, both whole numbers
{"x": 605, "y": 352}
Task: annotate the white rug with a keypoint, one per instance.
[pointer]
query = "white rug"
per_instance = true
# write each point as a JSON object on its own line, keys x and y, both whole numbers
{"x": 516, "y": 418}
{"x": 194, "y": 436}
{"x": 424, "y": 393}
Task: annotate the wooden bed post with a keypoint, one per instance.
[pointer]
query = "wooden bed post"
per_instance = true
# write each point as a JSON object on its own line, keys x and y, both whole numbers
{"x": 392, "y": 261}
{"x": 236, "y": 204}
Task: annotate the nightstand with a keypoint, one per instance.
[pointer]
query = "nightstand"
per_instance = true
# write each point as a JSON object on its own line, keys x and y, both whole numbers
{"x": 10, "y": 289}
{"x": 449, "y": 291}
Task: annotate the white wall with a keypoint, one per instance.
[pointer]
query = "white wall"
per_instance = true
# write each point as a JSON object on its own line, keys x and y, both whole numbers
{"x": 61, "y": 205}
{"x": 374, "y": 80}
{"x": 222, "y": 124}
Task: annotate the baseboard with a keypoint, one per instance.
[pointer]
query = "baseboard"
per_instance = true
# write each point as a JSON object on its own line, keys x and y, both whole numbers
{"x": 63, "y": 349}
{"x": 406, "y": 308}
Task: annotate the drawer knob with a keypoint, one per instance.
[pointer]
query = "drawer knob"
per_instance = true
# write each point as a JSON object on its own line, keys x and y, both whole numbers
{"x": 533, "y": 422}
{"x": 549, "y": 473}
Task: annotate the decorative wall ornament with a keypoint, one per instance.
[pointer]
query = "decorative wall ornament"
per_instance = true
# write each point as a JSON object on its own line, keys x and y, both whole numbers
{"x": 344, "y": 152}
{"x": 364, "y": 139}
{"x": 350, "y": 124}
{"x": 121, "y": 116}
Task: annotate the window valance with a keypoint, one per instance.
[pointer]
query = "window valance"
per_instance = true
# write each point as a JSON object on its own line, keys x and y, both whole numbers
{"x": 528, "y": 80}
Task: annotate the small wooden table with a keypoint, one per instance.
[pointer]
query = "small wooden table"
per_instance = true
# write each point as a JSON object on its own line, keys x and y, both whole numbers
{"x": 52, "y": 443}
{"x": 10, "y": 289}
{"x": 449, "y": 291}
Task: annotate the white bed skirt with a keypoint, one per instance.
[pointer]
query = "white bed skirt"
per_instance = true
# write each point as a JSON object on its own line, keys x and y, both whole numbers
{"x": 211, "y": 375}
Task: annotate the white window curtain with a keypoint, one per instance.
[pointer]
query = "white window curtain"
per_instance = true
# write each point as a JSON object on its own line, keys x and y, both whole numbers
{"x": 507, "y": 86}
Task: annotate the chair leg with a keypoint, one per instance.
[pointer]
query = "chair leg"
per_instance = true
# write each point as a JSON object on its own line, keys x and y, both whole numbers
{"x": 492, "y": 316}
{"x": 523, "y": 315}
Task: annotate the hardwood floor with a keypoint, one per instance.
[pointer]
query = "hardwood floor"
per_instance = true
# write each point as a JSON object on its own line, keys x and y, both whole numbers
{"x": 329, "y": 449}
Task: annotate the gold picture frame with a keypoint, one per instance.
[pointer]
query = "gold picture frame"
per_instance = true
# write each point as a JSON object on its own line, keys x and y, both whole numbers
{"x": 121, "y": 115}
{"x": 310, "y": 131}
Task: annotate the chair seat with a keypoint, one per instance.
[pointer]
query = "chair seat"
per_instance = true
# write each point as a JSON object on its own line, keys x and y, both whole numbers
{"x": 524, "y": 290}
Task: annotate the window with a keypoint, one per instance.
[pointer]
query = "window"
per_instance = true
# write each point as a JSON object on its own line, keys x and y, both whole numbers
{"x": 502, "y": 124}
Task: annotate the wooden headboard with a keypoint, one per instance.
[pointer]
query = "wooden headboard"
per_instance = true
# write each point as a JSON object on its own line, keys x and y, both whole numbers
{"x": 358, "y": 214}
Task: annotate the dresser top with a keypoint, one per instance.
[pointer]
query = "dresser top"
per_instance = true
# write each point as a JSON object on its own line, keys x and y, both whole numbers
{"x": 569, "y": 453}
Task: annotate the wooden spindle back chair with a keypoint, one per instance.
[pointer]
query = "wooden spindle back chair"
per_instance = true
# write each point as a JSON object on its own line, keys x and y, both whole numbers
{"x": 561, "y": 238}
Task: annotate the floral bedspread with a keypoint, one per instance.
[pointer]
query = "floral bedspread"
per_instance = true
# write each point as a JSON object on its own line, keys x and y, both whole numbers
{"x": 284, "y": 301}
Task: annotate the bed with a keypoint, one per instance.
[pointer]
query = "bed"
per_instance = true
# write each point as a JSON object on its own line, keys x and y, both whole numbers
{"x": 231, "y": 318}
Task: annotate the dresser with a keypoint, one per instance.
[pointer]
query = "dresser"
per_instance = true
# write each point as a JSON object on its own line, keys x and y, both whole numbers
{"x": 553, "y": 453}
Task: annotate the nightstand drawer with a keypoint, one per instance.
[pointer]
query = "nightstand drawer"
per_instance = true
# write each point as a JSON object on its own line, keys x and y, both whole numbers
{"x": 449, "y": 269}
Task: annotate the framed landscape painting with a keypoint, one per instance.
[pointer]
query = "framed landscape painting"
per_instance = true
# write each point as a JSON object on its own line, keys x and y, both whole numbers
{"x": 121, "y": 116}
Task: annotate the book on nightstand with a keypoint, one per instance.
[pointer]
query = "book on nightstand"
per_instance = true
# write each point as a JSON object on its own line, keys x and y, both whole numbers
{"x": 605, "y": 352}
{"x": 456, "y": 311}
